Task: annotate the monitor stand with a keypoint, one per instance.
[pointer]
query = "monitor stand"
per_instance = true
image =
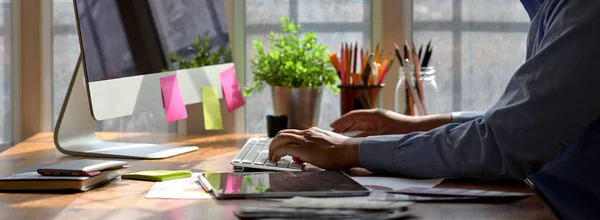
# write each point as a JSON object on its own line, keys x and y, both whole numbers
{"x": 75, "y": 130}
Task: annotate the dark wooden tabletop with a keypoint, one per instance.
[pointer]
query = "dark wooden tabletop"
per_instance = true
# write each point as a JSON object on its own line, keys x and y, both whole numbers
{"x": 125, "y": 199}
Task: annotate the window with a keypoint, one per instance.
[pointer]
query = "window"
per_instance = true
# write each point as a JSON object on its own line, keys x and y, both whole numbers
{"x": 478, "y": 46}
{"x": 66, "y": 53}
{"x": 334, "y": 21}
{"x": 5, "y": 75}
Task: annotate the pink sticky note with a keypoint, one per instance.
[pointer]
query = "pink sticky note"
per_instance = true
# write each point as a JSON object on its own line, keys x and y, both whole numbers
{"x": 172, "y": 99}
{"x": 231, "y": 89}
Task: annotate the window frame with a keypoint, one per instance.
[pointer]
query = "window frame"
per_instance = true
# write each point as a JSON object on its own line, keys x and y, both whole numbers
{"x": 457, "y": 37}
{"x": 38, "y": 117}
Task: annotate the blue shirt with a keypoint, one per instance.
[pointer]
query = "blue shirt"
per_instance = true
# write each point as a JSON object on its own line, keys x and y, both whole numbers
{"x": 548, "y": 105}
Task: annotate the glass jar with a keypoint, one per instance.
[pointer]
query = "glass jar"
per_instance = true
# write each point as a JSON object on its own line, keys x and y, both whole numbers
{"x": 401, "y": 93}
{"x": 430, "y": 91}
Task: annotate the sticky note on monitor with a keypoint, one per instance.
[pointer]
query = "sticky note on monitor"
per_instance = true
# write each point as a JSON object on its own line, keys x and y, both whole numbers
{"x": 232, "y": 91}
{"x": 172, "y": 98}
{"x": 212, "y": 109}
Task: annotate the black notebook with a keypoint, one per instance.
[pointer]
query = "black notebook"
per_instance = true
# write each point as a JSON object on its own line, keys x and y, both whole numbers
{"x": 30, "y": 180}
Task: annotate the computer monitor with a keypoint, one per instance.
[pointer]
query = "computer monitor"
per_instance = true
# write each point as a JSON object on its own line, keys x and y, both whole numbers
{"x": 127, "y": 46}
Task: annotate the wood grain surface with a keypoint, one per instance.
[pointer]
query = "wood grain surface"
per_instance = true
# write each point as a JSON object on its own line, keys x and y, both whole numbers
{"x": 125, "y": 199}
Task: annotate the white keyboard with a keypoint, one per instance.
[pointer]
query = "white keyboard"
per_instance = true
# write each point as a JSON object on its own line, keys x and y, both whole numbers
{"x": 255, "y": 154}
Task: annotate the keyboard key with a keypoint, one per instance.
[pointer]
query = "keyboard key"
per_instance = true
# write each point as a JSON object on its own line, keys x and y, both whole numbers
{"x": 261, "y": 159}
{"x": 238, "y": 158}
{"x": 296, "y": 166}
{"x": 270, "y": 163}
{"x": 283, "y": 163}
{"x": 256, "y": 149}
{"x": 248, "y": 159}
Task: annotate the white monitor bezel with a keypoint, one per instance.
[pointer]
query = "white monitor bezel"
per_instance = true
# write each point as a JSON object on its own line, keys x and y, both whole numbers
{"x": 136, "y": 94}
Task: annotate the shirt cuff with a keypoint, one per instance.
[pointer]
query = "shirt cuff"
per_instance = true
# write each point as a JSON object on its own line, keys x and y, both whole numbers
{"x": 464, "y": 117}
{"x": 376, "y": 153}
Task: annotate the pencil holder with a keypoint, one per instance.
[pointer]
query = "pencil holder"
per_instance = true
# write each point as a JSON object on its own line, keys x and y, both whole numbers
{"x": 359, "y": 97}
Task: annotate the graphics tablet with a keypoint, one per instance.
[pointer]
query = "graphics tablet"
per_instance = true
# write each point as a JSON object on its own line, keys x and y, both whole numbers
{"x": 281, "y": 184}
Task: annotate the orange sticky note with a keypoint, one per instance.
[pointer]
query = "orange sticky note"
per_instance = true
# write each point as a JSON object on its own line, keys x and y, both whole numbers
{"x": 172, "y": 98}
{"x": 232, "y": 91}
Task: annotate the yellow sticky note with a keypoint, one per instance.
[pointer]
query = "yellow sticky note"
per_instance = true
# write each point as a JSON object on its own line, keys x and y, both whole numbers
{"x": 212, "y": 108}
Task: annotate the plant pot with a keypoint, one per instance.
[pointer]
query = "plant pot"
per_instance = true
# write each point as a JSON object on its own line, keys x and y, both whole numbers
{"x": 301, "y": 105}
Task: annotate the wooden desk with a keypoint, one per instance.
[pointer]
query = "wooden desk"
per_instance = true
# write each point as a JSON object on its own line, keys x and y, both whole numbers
{"x": 124, "y": 199}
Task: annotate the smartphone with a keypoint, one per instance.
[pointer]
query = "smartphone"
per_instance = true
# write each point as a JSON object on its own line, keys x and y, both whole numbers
{"x": 82, "y": 167}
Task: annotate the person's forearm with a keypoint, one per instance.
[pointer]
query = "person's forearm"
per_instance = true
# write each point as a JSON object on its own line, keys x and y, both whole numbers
{"x": 429, "y": 122}
{"x": 350, "y": 152}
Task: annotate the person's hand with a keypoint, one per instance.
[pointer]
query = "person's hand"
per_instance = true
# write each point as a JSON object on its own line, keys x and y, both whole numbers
{"x": 319, "y": 147}
{"x": 371, "y": 122}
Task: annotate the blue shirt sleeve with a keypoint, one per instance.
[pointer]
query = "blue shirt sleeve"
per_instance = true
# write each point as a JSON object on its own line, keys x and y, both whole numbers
{"x": 463, "y": 117}
{"x": 549, "y": 102}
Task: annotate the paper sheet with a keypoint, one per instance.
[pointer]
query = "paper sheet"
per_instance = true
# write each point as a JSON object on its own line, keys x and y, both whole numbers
{"x": 232, "y": 92}
{"x": 375, "y": 183}
{"x": 212, "y": 108}
{"x": 172, "y": 99}
{"x": 188, "y": 188}
{"x": 393, "y": 183}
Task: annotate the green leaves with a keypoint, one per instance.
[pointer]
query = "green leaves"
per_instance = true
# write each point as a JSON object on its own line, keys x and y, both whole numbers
{"x": 296, "y": 60}
{"x": 203, "y": 54}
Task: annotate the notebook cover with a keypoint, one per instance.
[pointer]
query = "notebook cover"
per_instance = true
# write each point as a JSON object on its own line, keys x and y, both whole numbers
{"x": 28, "y": 179}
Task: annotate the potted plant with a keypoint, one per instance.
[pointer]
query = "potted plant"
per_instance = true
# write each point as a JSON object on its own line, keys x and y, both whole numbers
{"x": 297, "y": 68}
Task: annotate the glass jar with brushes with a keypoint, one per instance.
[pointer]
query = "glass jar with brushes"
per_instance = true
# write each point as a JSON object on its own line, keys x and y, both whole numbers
{"x": 427, "y": 98}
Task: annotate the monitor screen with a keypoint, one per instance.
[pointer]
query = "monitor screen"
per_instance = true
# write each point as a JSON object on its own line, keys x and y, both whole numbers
{"x": 123, "y": 38}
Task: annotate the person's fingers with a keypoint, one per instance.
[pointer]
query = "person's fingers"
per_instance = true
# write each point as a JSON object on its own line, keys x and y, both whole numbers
{"x": 346, "y": 121}
{"x": 347, "y": 126}
{"x": 297, "y": 160}
{"x": 294, "y": 150}
{"x": 283, "y": 139}
{"x": 291, "y": 131}
{"x": 318, "y": 131}
{"x": 360, "y": 127}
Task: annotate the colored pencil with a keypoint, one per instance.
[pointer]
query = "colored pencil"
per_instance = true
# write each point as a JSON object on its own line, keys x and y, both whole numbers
{"x": 413, "y": 88}
{"x": 355, "y": 56}
{"x": 376, "y": 58}
{"x": 336, "y": 62}
{"x": 386, "y": 69}
{"x": 398, "y": 55}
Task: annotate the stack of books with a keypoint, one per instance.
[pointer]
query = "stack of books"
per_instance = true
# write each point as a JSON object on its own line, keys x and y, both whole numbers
{"x": 36, "y": 179}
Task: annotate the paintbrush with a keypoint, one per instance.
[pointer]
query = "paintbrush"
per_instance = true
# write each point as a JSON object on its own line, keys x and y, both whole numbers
{"x": 427, "y": 56}
{"x": 418, "y": 81}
